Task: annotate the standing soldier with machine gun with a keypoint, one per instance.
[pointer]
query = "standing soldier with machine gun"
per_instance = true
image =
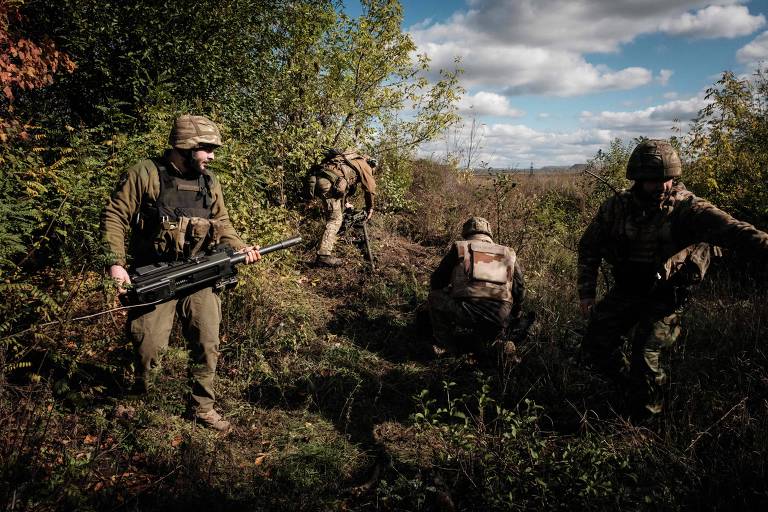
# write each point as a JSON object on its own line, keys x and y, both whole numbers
{"x": 173, "y": 207}
{"x": 334, "y": 180}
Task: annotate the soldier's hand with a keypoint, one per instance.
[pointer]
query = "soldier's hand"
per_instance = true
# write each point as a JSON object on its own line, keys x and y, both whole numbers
{"x": 251, "y": 254}
{"x": 586, "y": 306}
{"x": 121, "y": 277}
{"x": 369, "y": 215}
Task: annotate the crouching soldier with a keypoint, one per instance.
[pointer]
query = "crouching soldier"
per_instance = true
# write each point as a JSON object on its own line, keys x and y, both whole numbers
{"x": 334, "y": 181}
{"x": 476, "y": 292}
{"x": 656, "y": 236}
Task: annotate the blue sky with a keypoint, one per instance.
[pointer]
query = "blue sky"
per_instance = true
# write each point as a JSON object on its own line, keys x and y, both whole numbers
{"x": 552, "y": 81}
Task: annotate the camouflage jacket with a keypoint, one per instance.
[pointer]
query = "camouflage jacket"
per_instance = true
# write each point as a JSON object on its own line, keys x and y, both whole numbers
{"x": 138, "y": 185}
{"x": 644, "y": 243}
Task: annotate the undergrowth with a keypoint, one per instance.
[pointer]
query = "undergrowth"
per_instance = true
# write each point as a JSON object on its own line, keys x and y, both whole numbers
{"x": 338, "y": 401}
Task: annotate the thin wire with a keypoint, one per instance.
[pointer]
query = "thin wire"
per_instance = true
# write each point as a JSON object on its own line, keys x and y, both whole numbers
{"x": 85, "y": 317}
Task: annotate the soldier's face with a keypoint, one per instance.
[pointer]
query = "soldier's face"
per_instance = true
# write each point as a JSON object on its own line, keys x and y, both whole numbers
{"x": 656, "y": 190}
{"x": 201, "y": 156}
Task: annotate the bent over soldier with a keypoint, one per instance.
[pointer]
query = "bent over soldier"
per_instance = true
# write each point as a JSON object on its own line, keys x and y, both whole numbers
{"x": 658, "y": 238}
{"x": 335, "y": 180}
{"x": 476, "y": 291}
{"x": 174, "y": 209}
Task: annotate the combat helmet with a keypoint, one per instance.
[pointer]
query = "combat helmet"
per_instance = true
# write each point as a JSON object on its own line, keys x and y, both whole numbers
{"x": 654, "y": 159}
{"x": 190, "y": 132}
{"x": 476, "y": 225}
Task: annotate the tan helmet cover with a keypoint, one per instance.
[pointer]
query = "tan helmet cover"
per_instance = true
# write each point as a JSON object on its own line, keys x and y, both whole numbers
{"x": 654, "y": 159}
{"x": 190, "y": 132}
{"x": 475, "y": 225}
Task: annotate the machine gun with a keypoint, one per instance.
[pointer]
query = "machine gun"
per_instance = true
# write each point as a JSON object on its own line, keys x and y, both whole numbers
{"x": 355, "y": 225}
{"x": 164, "y": 281}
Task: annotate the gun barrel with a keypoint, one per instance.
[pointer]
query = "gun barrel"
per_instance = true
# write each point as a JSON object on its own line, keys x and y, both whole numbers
{"x": 285, "y": 244}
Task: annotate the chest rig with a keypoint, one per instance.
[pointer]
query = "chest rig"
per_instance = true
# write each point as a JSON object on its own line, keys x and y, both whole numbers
{"x": 178, "y": 222}
{"x": 648, "y": 249}
{"x": 179, "y": 197}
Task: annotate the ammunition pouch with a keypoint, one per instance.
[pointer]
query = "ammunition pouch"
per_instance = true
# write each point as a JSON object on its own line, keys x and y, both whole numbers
{"x": 186, "y": 237}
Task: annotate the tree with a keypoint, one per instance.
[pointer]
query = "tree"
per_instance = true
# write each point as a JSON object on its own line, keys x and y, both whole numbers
{"x": 725, "y": 150}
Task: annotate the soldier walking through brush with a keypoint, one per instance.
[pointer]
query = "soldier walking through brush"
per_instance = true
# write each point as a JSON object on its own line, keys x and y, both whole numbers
{"x": 173, "y": 207}
{"x": 658, "y": 238}
{"x": 477, "y": 290}
{"x": 335, "y": 180}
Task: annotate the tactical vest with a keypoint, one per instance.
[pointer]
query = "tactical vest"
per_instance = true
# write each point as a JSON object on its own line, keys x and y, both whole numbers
{"x": 178, "y": 222}
{"x": 647, "y": 244}
{"x": 484, "y": 271}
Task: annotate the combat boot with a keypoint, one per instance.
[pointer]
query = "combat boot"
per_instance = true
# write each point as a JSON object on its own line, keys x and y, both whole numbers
{"x": 212, "y": 419}
{"x": 327, "y": 260}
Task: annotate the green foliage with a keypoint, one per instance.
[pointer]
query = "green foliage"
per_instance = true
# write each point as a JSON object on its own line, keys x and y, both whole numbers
{"x": 611, "y": 167}
{"x": 284, "y": 78}
{"x": 502, "y": 459}
{"x": 394, "y": 182}
{"x": 725, "y": 150}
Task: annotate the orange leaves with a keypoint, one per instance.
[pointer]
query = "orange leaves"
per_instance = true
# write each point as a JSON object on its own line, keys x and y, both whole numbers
{"x": 24, "y": 64}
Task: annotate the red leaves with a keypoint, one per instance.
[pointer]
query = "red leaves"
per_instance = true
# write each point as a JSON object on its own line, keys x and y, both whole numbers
{"x": 25, "y": 64}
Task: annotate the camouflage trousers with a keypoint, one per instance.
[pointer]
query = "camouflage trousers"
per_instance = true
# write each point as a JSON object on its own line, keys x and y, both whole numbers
{"x": 653, "y": 324}
{"x": 466, "y": 324}
{"x": 334, "y": 215}
{"x": 150, "y": 328}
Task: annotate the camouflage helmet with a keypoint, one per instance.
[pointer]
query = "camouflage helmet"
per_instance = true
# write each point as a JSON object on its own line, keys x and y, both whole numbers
{"x": 654, "y": 159}
{"x": 476, "y": 225}
{"x": 190, "y": 132}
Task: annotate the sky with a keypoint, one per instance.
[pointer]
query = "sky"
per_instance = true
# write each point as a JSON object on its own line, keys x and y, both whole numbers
{"x": 549, "y": 82}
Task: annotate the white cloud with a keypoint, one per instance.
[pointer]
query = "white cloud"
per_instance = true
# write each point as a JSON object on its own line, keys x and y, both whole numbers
{"x": 651, "y": 121}
{"x": 588, "y": 25}
{"x": 664, "y": 76}
{"x": 488, "y": 104}
{"x": 713, "y": 22}
{"x": 506, "y": 145}
{"x": 527, "y": 70}
{"x": 755, "y": 51}
{"x": 516, "y": 146}
{"x": 538, "y": 46}
{"x": 552, "y": 47}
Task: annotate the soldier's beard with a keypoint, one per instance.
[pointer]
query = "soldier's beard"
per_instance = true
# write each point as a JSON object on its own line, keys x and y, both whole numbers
{"x": 193, "y": 165}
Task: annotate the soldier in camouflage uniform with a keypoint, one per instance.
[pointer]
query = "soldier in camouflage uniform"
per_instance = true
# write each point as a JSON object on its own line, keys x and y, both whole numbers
{"x": 173, "y": 208}
{"x": 477, "y": 288}
{"x": 658, "y": 238}
{"x": 334, "y": 180}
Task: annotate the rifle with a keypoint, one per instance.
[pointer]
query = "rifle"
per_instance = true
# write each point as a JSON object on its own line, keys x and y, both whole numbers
{"x": 164, "y": 281}
{"x": 357, "y": 220}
